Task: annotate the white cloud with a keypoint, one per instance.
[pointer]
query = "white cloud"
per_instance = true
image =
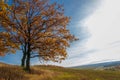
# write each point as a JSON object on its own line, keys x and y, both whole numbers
{"x": 104, "y": 27}
{"x": 104, "y": 24}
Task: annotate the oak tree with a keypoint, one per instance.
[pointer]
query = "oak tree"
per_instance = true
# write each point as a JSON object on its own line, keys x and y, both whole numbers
{"x": 40, "y": 27}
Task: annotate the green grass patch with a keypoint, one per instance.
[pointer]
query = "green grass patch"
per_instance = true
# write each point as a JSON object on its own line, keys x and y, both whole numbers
{"x": 56, "y": 73}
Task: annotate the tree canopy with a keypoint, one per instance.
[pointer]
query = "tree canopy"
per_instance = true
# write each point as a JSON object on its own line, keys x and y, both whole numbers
{"x": 39, "y": 27}
{"x": 7, "y": 45}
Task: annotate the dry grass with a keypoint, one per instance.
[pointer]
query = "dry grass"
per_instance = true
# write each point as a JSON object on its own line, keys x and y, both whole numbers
{"x": 12, "y": 73}
{"x": 8, "y": 72}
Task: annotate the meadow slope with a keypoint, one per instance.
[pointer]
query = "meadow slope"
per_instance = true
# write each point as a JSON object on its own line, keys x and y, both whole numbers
{"x": 10, "y": 72}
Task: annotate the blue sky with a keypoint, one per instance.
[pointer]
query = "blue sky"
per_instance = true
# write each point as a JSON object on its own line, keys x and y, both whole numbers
{"x": 96, "y": 24}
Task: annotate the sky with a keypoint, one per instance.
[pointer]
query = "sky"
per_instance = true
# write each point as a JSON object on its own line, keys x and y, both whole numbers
{"x": 96, "y": 24}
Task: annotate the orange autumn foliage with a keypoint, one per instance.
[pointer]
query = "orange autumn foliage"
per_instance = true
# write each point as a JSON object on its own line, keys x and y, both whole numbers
{"x": 6, "y": 44}
{"x": 40, "y": 28}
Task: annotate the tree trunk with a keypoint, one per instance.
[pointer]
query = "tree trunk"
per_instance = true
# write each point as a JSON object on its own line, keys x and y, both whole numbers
{"x": 28, "y": 58}
{"x": 23, "y": 59}
{"x": 28, "y": 62}
{"x": 24, "y": 56}
{"x": 28, "y": 47}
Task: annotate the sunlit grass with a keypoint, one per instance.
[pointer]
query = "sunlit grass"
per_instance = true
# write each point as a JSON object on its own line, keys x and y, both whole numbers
{"x": 12, "y": 73}
{"x": 8, "y": 72}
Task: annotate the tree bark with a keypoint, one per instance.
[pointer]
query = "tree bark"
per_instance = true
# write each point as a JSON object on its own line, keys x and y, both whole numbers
{"x": 23, "y": 59}
{"x": 28, "y": 62}
{"x": 28, "y": 58}
{"x": 24, "y": 55}
{"x": 28, "y": 46}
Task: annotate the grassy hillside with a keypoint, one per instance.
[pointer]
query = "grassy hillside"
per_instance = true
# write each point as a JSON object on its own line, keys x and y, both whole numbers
{"x": 9, "y": 72}
{"x": 100, "y": 65}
